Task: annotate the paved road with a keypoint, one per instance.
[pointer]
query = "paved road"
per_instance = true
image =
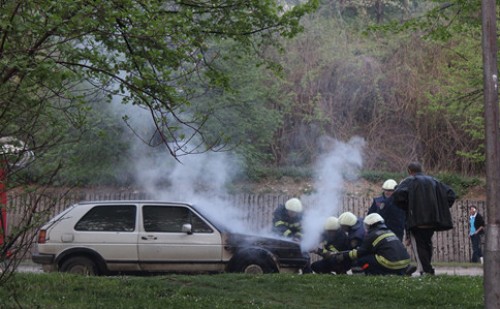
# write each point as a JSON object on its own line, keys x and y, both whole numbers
{"x": 463, "y": 271}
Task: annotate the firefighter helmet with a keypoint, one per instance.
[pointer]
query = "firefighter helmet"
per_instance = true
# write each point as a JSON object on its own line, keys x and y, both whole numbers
{"x": 389, "y": 184}
{"x": 348, "y": 218}
{"x": 332, "y": 224}
{"x": 294, "y": 205}
{"x": 373, "y": 218}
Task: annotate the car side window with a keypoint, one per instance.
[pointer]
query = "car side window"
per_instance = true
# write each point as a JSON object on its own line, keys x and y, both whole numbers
{"x": 108, "y": 219}
{"x": 170, "y": 219}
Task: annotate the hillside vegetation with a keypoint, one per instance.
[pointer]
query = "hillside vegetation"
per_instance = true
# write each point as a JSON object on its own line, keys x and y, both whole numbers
{"x": 354, "y": 70}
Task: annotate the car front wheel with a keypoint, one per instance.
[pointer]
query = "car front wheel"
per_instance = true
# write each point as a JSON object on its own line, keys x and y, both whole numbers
{"x": 253, "y": 262}
{"x": 80, "y": 265}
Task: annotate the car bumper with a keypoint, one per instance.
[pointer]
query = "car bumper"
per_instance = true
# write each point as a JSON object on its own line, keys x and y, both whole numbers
{"x": 44, "y": 259}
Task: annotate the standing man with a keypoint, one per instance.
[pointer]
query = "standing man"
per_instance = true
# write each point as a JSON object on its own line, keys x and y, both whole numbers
{"x": 476, "y": 230}
{"x": 427, "y": 203}
{"x": 394, "y": 217}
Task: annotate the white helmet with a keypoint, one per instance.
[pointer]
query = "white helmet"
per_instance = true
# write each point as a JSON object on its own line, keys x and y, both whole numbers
{"x": 373, "y": 218}
{"x": 348, "y": 218}
{"x": 332, "y": 224}
{"x": 389, "y": 184}
{"x": 294, "y": 205}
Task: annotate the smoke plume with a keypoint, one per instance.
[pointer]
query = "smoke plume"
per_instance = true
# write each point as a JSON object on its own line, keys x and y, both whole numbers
{"x": 201, "y": 179}
{"x": 337, "y": 163}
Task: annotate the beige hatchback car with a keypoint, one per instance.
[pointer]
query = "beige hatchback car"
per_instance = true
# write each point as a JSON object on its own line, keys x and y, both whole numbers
{"x": 112, "y": 237}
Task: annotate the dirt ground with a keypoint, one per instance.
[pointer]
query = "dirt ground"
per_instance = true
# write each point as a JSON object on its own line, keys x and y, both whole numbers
{"x": 358, "y": 188}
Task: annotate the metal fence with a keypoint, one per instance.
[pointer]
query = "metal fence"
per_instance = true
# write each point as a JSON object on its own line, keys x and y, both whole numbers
{"x": 449, "y": 246}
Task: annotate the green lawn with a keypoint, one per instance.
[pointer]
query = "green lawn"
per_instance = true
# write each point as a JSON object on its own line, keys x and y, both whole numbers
{"x": 56, "y": 290}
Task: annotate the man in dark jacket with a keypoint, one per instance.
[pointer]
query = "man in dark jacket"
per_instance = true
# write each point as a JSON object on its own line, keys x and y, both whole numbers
{"x": 427, "y": 203}
{"x": 381, "y": 253}
{"x": 476, "y": 230}
{"x": 394, "y": 217}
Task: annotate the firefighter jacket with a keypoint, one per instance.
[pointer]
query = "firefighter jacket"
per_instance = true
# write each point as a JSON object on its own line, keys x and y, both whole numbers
{"x": 356, "y": 234}
{"x": 333, "y": 242}
{"x": 286, "y": 225}
{"x": 394, "y": 217}
{"x": 388, "y": 250}
{"x": 426, "y": 202}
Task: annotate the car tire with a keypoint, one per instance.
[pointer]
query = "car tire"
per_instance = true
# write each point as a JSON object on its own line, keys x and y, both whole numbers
{"x": 80, "y": 265}
{"x": 253, "y": 262}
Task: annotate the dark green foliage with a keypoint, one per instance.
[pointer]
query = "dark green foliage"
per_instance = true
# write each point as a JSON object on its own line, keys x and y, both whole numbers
{"x": 459, "y": 183}
{"x": 407, "y": 97}
{"x": 381, "y": 176}
{"x": 299, "y": 173}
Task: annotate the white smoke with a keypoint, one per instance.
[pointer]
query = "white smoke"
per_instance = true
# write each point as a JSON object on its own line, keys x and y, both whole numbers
{"x": 198, "y": 179}
{"x": 337, "y": 163}
{"x": 201, "y": 179}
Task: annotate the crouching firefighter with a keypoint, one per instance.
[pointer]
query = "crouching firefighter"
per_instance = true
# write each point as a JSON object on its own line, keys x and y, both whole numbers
{"x": 333, "y": 240}
{"x": 381, "y": 253}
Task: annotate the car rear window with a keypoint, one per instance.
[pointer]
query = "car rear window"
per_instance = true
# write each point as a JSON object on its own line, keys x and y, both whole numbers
{"x": 108, "y": 219}
{"x": 170, "y": 219}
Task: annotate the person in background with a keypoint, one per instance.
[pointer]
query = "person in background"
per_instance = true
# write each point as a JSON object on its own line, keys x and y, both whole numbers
{"x": 287, "y": 219}
{"x": 333, "y": 240}
{"x": 381, "y": 253}
{"x": 427, "y": 203}
{"x": 394, "y": 217}
{"x": 476, "y": 230}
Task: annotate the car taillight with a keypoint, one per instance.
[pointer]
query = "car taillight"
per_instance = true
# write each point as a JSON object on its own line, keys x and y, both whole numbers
{"x": 42, "y": 236}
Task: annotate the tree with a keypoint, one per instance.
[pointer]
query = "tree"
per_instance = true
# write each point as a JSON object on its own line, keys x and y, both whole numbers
{"x": 147, "y": 52}
{"x": 56, "y": 56}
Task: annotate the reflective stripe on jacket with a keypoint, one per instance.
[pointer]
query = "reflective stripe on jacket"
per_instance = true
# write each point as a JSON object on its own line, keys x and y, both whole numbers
{"x": 388, "y": 250}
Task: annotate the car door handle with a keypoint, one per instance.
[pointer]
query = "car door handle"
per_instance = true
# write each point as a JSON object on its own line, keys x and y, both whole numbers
{"x": 149, "y": 237}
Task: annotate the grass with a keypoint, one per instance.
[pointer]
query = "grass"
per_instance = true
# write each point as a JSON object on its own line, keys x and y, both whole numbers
{"x": 57, "y": 290}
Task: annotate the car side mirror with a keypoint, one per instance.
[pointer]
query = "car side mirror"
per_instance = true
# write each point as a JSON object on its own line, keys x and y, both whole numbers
{"x": 187, "y": 228}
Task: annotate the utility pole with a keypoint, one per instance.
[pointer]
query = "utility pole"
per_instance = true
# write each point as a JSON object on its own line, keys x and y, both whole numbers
{"x": 491, "y": 119}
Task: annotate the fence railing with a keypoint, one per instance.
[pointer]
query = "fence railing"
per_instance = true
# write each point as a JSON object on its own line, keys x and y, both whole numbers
{"x": 449, "y": 246}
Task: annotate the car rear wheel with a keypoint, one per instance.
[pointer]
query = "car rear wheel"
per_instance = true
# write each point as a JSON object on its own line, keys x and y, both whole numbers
{"x": 80, "y": 265}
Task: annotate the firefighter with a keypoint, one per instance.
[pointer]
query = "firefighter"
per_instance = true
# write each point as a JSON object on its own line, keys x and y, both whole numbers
{"x": 382, "y": 253}
{"x": 333, "y": 240}
{"x": 354, "y": 228}
{"x": 394, "y": 217}
{"x": 287, "y": 219}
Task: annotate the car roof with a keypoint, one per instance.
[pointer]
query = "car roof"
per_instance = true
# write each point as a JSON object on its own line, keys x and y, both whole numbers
{"x": 121, "y": 202}
{"x": 219, "y": 226}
